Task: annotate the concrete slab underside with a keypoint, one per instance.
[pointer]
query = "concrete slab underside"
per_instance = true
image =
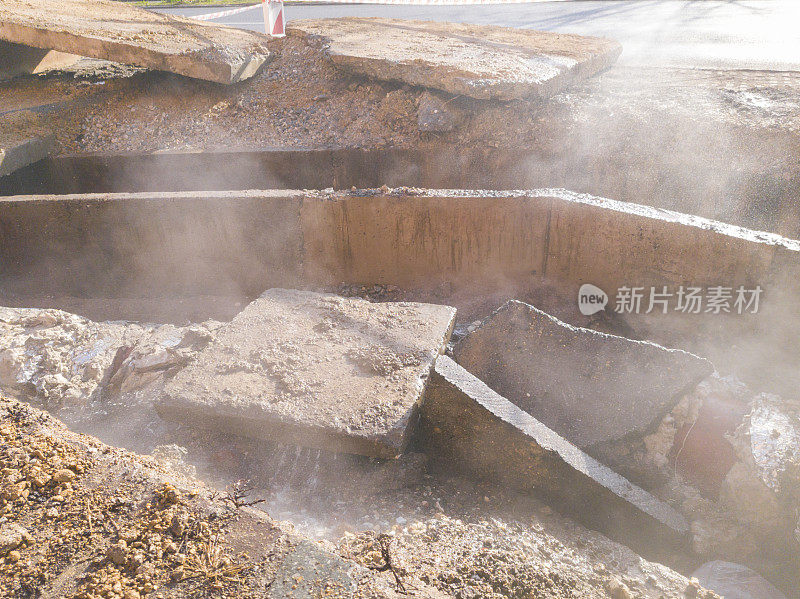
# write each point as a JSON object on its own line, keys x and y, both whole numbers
{"x": 342, "y": 374}
{"x": 484, "y": 433}
{"x": 17, "y": 59}
{"x": 567, "y": 376}
{"x": 120, "y": 32}
{"x": 480, "y": 61}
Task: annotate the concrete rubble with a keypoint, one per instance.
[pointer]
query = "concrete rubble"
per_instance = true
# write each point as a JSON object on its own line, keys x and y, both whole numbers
{"x": 123, "y": 33}
{"x": 485, "y": 433}
{"x": 315, "y": 369}
{"x": 479, "y": 61}
{"x": 590, "y": 387}
{"x": 64, "y": 360}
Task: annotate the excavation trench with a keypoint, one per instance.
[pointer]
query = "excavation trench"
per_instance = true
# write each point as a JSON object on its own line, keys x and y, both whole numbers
{"x": 187, "y": 237}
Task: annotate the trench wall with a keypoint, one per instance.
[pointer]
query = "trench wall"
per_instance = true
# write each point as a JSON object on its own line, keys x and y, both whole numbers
{"x": 119, "y": 245}
{"x": 563, "y": 237}
{"x": 247, "y": 241}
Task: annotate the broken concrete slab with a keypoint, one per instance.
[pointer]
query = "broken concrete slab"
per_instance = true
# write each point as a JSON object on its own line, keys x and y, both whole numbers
{"x": 314, "y": 369}
{"x": 17, "y": 59}
{"x": 16, "y": 154}
{"x": 480, "y": 61}
{"x": 467, "y": 422}
{"x": 120, "y": 32}
{"x": 588, "y": 386}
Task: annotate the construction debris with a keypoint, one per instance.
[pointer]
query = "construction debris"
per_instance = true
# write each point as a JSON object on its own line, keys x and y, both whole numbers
{"x": 589, "y": 387}
{"x": 481, "y": 431}
{"x": 60, "y": 360}
{"x": 480, "y": 61}
{"x": 316, "y": 369}
{"x": 123, "y": 33}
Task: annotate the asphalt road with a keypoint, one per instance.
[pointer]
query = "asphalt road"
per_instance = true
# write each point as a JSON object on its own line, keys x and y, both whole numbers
{"x": 714, "y": 34}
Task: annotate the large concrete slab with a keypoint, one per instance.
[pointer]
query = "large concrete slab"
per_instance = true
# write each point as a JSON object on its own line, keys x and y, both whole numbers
{"x": 486, "y": 434}
{"x": 588, "y": 386}
{"x": 120, "y": 32}
{"x": 481, "y": 61}
{"x": 18, "y": 153}
{"x": 343, "y": 374}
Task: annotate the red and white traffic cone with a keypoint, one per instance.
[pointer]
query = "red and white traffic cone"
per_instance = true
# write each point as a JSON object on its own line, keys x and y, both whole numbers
{"x": 273, "y": 17}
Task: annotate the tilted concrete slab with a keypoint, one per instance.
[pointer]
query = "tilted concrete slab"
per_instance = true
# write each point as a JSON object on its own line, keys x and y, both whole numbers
{"x": 16, "y": 154}
{"x": 342, "y": 374}
{"x": 588, "y": 386}
{"x": 487, "y": 435}
{"x": 480, "y": 61}
{"x": 120, "y": 32}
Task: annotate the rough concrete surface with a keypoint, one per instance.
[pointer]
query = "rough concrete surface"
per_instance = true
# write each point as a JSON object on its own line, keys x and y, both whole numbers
{"x": 410, "y": 236}
{"x": 480, "y": 61}
{"x": 16, "y": 154}
{"x": 339, "y": 373}
{"x": 588, "y": 386}
{"x": 485, "y": 433}
{"x": 120, "y": 32}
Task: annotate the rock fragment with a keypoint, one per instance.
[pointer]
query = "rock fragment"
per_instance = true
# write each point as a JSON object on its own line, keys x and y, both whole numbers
{"x": 12, "y": 535}
{"x": 589, "y": 387}
{"x": 18, "y": 153}
{"x": 734, "y": 581}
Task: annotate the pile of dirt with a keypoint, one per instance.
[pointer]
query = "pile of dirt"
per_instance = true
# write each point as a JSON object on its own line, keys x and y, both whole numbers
{"x": 100, "y": 522}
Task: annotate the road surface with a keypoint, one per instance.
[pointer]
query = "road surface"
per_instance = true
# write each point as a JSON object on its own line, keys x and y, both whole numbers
{"x": 713, "y": 34}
